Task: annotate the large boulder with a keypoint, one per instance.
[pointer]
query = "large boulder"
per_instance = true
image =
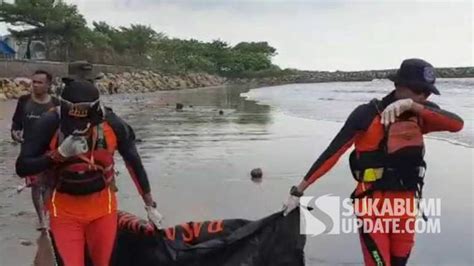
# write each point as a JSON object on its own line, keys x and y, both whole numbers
{"x": 127, "y": 75}
{"x": 182, "y": 84}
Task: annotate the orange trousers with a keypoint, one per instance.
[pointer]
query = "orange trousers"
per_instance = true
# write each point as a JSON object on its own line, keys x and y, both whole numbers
{"x": 386, "y": 248}
{"x": 72, "y": 235}
{"x": 390, "y": 246}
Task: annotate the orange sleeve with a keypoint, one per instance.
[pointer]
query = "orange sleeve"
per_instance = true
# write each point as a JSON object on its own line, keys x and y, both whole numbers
{"x": 358, "y": 121}
{"x": 436, "y": 119}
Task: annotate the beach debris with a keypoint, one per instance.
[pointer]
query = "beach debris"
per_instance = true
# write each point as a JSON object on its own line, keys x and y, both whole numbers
{"x": 20, "y": 213}
{"x": 221, "y": 112}
{"x": 179, "y": 106}
{"x": 25, "y": 242}
{"x": 256, "y": 173}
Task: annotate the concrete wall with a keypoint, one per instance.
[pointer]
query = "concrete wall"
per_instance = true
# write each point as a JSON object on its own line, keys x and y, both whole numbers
{"x": 24, "y": 68}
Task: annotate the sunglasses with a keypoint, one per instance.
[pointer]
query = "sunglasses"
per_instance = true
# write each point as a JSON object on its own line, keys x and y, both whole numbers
{"x": 419, "y": 91}
{"x": 78, "y": 110}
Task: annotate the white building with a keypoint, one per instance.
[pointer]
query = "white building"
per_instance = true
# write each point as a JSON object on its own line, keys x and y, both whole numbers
{"x": 37, "y": 48}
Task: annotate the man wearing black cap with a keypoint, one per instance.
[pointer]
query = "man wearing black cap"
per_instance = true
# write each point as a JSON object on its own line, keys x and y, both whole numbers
{"x": 76, "y": 143}
{"x": 388, "y": 159}
{"x": 80, "y": 71}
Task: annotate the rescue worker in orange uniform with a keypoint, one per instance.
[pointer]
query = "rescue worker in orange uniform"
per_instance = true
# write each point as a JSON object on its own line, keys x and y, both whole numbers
{"x": 388, "y": 158}
{"x": 76, "y": 143}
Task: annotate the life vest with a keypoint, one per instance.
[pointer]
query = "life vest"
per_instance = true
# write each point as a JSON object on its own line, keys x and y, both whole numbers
{"x": 91, "y": 171}
{"x": 398, "y": 162}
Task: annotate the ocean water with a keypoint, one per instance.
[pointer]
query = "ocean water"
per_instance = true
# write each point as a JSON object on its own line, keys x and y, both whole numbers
{"x": 335, "y": 101}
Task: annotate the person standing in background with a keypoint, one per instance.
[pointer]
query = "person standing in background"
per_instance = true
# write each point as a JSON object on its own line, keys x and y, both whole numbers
{"x": 28, "y": 110}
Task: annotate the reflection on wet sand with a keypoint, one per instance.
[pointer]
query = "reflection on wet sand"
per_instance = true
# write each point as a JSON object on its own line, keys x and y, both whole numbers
{"x": 158, "y": 123}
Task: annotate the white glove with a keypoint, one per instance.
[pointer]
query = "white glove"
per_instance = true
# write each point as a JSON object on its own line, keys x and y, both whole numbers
{"x": 394, "y": 110}
{"x": 17, "y": 135}
{"x": 292, "y": 203}
{"x": 72, "y": 146}
{"x": 154, "y": 216}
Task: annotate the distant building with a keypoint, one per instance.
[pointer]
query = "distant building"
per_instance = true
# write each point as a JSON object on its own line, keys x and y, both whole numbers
{"x": 6, "y": 51}
{"x": 37, "y": 48}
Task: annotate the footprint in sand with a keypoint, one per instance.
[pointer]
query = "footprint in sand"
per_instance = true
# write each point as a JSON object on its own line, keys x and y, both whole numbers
{"x": 26, "y": 243}
{"x": 23, "y": 213}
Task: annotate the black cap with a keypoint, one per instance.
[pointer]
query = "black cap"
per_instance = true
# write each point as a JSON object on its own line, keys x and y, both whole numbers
{"x": 79, "y": 91}
{"x": 81, "y": 70}
{"x": 416, "y": 73}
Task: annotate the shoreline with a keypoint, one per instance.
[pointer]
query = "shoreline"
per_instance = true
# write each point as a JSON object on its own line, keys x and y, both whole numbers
{"x": 20, "y": 86}
{"x": 118, "y": 80}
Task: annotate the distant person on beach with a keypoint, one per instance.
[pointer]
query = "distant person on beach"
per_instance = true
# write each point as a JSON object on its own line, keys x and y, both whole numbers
{"x": 77, "y": 143}
{"x": 110, "y": 88}
{"x": 28, "y": 110}
{"x": 388, "y": 159}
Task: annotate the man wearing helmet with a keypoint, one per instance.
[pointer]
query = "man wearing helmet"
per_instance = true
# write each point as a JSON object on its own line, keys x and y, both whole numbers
{"x": 76, "y": 143}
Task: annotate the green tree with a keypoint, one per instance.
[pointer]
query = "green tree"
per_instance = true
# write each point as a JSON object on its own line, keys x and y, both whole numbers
{"x": 66, "y": 36}
{"x": 140, "y": 39}
{"x": 111, "y": 36}
{"x": 256, "y": 47}
{"x": 94, "y": 47}
{"x": 51, "y": 21}
{"x": 219, "y": 52}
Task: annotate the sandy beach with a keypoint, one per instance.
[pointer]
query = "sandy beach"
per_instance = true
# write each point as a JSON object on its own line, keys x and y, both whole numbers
{"x": 199, "y": 162}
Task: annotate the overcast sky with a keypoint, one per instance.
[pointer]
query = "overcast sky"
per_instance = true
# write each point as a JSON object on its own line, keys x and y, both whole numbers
{"x": 311, "y": 34}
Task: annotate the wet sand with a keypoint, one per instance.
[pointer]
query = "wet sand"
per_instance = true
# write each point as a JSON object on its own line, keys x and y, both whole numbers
{"x": 17, "y": 216}
{"x": 199, "y": 162}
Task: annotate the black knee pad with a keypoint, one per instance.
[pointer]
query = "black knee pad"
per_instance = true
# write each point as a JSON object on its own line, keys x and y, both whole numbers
{"x": 399, "y": 261}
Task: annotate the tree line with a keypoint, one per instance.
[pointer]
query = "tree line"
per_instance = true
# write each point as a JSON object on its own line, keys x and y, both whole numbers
{"x": 66, "y": 36}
